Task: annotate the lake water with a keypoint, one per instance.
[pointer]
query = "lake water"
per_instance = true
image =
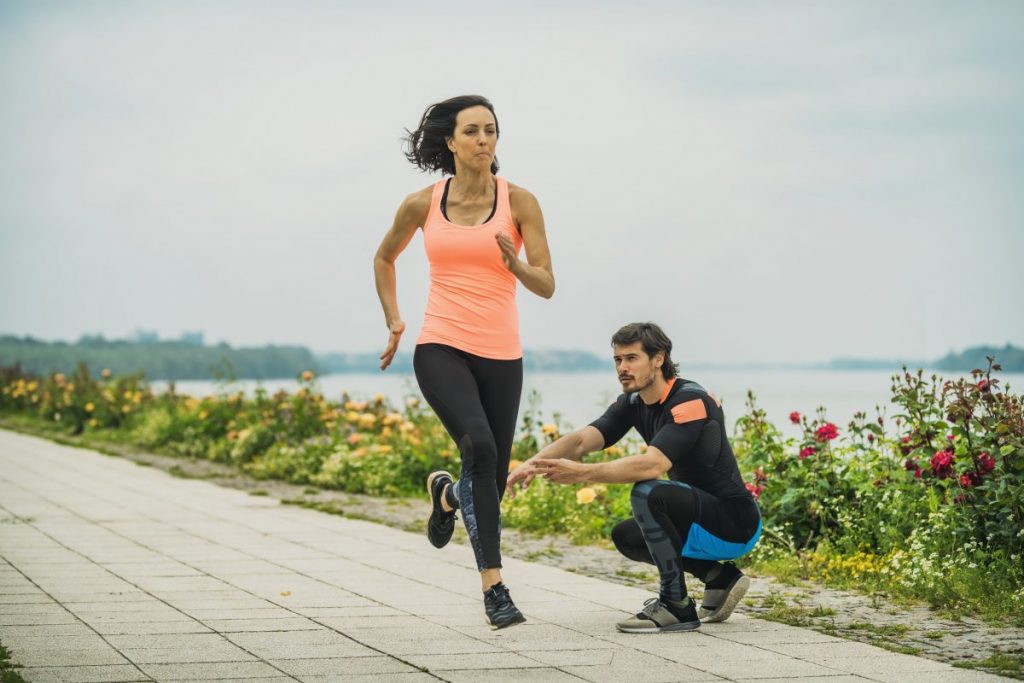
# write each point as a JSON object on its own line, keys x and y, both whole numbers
{"x": 581, "y": 397}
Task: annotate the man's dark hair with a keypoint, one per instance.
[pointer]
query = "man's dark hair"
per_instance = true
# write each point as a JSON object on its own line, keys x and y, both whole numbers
{"x": 427, "y": 147}
{"x": 653, "y": 339}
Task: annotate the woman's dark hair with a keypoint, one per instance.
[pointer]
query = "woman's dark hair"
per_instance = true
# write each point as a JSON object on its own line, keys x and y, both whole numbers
{"x": 427, "y": 147}
{"x": 653, "y": 340}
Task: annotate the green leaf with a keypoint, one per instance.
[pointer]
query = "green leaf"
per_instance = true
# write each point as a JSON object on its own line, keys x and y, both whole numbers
{"x": 1006, "y": 450}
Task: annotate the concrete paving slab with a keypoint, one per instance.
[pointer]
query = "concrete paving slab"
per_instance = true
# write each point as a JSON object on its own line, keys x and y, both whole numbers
{"x": 180, "y": 580}
{"x": 83, "y": 674}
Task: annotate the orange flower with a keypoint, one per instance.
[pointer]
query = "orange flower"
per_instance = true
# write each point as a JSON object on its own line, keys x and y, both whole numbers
{"x": 307, "y": 376}
{"x": 585, "y": 495}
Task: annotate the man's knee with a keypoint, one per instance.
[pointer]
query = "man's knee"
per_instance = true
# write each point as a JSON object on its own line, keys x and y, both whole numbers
{"x": 640, "y": 495}
{"x": 630, "y": 542}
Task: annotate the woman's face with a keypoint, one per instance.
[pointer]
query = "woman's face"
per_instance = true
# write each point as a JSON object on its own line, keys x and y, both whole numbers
{"x": 474, "y": 139}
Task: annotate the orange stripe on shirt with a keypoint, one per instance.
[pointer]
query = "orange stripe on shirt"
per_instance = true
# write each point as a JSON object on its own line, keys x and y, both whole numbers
{"x": 689, "y": 411}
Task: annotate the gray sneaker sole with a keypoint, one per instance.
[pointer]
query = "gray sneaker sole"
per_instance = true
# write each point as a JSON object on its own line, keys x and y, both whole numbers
{"x": 734, "y": 594}
{"x": 654, "y": 628}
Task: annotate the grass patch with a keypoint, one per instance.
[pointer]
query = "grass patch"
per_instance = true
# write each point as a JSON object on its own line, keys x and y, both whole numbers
{"x": 258, "y": 492}
{"x": 9, "y": 669}
{"x": 781, "y": 611}
{"x": 629, "y": 574}
{"x": 896, "y": 647}
{"x": 936, "y": 635}
{"x": 1003, "y": 663}
{"x": 885, "y": 630}
{"x": 311, "y": 491}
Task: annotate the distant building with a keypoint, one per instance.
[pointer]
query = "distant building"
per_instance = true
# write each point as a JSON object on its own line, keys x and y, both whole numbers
{"x": 192, "y": 338}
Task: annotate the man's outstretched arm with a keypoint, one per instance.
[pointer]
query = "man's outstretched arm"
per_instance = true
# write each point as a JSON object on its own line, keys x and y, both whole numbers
{"x": 570, "y": 447}
{"x": 651, "y": 464}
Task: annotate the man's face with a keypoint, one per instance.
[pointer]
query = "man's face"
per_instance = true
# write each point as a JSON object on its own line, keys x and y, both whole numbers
{"x": 635, "y": 368}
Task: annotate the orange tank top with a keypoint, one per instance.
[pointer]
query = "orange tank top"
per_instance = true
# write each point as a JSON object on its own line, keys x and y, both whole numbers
{"x": 472, "y": 301}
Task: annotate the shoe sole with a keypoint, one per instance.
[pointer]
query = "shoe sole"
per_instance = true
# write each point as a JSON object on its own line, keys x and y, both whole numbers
{"x": 495, "y": 627}
{"x": 674, "y": 628}
{"x": 735, "y": 593}
{"x": 430, "y": 491}
{"x": 432, "y": 478}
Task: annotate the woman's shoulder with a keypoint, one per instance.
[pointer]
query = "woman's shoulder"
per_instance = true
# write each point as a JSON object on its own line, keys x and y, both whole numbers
{"x": 519, "y": 196}
{"x": 418, "y": 203}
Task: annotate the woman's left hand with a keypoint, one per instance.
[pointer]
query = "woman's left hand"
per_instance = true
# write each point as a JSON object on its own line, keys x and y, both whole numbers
{"x": 561, "y": 470}
{"x": 508, "y": 251}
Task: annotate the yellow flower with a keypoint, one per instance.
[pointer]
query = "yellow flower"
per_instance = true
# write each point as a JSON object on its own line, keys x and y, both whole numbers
{"x": 358, "y": 406}
{"x": 137, "y": 397}
{"x": 359, "y": 452}
{"x": 94, "y": 423}
{"x": 378, "y": 398}
{"x": 585, "y": 495}
{"x": 412, "y": 402}
{"x": 392, "y": 418}
{"x": 203, "y": 414}
{"x": 89, "y": 407}
{"x": 105, "y": 373}
{"x": 307, "y": 376}
{"x": 354, "y": 438}
{"x": 59, "y": 378}
{"x": 367, "y": 420}
{"x": 513, "y": 463}
{"x": 549, "y": 429}
{"x": 127, "y": 395}
{"x": 352, "y": 416}
{"x": 126, "y": 409}
{"x": 613, "y": 450}
{"x": 244, "y": 433}
{"x": 232, "y": 435}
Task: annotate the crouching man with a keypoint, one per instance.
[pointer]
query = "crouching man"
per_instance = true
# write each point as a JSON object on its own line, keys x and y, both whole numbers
{"x": 694, "y": 520}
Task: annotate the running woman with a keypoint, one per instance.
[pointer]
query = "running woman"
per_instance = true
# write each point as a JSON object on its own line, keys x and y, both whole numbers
{"x": 468, "y": 359}
{"x": 702, "y": 514}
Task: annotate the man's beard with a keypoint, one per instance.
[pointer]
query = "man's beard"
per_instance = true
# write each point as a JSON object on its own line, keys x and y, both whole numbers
{"x": 638, "y": 387}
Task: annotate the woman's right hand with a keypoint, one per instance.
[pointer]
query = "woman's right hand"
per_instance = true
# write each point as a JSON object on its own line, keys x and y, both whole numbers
{"x": 395, "y": 335}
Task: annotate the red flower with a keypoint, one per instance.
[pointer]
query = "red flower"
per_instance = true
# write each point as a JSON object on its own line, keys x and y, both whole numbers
{"x": 910, "y": 464}
{"x": 755, "y": 491}
{"x": 983, "y": 385}
{"x": 942, "y": 464}
{"x": 826, "y": 432}
{"x": 917, "y": 473}
{"x": 905, "y": 439}
{"x": 807, "y": 452}
{"x": 985, "y": 463}
{"x": 794, "y": 417}
{"x": 950, "y": 437}
{"x": 969, "y": 479}
{"x": 871, "y": 437}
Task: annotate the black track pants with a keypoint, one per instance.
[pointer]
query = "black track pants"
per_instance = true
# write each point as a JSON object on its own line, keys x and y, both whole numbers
{"x": 679, "y": 529}
{"x": 477, "y": 400}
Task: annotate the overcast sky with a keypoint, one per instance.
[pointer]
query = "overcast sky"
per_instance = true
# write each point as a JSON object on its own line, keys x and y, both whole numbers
{"x": 771, "y": 181}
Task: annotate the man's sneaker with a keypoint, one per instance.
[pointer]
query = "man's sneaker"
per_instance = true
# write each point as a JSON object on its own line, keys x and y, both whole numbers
{"x": 723, "y": 594}
{"x": 441, "y": 524}
{"x": 656, "y": 617}
{"x": 499, "y": 608}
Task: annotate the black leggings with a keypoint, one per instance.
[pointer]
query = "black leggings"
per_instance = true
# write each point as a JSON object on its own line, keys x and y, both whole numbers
{"x": 477, "y": 400}
{"x": 678, "y": 528}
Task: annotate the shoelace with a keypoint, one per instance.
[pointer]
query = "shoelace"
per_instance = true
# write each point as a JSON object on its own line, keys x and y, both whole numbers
{"x": 501, "y": 597}
{"x": 650, "y": 607}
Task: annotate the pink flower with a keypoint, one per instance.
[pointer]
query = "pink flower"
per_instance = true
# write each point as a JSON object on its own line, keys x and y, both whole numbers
{"x": 942, "y": 464}
{"x": 794, "y": 417}
{"x": 807, "y": 452}
{"x": 755, "y": 491}
{"x": 950, "y": 437}
{"x": 826, "y": 432}
{"x": 985, "y": 463}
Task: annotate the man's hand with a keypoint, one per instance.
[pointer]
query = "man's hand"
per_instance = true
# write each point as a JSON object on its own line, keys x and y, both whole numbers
{"x": 561, "y": 470}
{"x": 521, "y": 476}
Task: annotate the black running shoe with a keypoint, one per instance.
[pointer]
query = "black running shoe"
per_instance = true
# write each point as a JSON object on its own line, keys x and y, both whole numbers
{"x": 441, "y": 524}
{"x": 658, "y": 617}
{"x": 499, "y": 608}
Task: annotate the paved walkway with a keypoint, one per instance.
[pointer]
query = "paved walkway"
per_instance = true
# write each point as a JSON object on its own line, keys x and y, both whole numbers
{"x": 114, "y": 572}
